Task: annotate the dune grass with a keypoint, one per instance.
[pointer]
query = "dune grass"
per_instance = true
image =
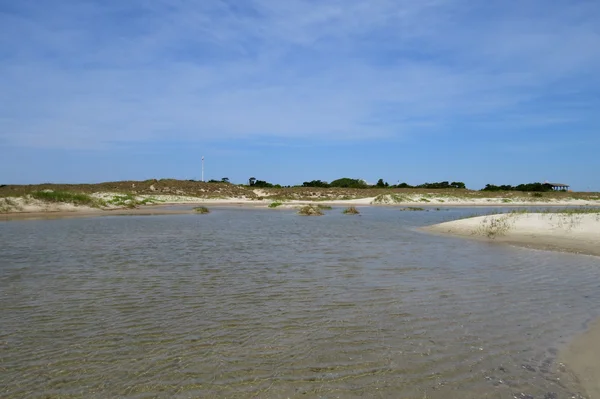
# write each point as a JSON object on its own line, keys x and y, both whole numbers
{"x": 391, "y": 198}
{"x": 351, "y": 210}
{"x": 66, "y": 197}
{"x": 310, "y": 210}
{"x": 201, "y": 210}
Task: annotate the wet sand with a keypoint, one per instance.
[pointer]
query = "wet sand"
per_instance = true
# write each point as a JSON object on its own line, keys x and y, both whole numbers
{"x": 582, "y": 360}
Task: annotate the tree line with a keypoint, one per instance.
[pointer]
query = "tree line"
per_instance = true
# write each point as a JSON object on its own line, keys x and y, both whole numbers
{"x": 359, "y": 183}
{"x": 346, "y": 182}
{"x": 532, "y": 187}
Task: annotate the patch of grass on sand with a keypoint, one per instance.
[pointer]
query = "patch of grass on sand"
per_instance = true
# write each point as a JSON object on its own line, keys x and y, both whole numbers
{"x": 494, "y": 226}
{"x": 310, "y": 210}
{"x": 566, "y": 211}
{"x": 572, "y": 211}
{"x": 65, "y": 196}
{"x": 202, "y": 210}
{"x": 391, "y": 198}
{"x": 129, "y": 201}
{"x": 351, "y": 210}
{"x": 275, "y": 204}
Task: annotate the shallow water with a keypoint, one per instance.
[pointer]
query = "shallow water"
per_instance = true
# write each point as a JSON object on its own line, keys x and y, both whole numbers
{"x": 265, "y": 303}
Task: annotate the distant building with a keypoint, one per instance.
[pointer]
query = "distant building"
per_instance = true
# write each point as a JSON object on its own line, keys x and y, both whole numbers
{"x": 559, "y": 186}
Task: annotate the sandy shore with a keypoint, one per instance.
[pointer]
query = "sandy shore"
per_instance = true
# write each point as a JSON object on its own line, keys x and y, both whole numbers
{"x": 114, "y": 200}
{"x": 578, "y": 233}
{"x": 582, "y": 360}
{"x": 28, "y": 208}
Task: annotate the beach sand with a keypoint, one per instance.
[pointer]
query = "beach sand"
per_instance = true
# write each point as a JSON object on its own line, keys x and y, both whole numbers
{"x": 582, "y": 360}
{"x": 573, "y": 232}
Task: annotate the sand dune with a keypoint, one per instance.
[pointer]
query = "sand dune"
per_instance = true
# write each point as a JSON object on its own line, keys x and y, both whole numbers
{"x": 570, "y": 232}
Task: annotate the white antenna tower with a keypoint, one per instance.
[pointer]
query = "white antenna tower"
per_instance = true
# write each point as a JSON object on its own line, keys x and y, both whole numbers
{"x": 202, "y": 168}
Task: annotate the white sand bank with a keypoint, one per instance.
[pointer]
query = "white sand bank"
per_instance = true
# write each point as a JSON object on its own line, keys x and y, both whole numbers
{"x": 575, "y": 232}
{"x": 434, "y": 199}
{"x": 31, "y": 205}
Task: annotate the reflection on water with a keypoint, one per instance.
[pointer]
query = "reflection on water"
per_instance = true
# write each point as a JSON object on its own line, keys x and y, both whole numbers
{"x": 265, "y": 303}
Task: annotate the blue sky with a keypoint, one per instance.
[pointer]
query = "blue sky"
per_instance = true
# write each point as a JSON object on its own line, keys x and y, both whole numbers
{"x": 501, "y": 92}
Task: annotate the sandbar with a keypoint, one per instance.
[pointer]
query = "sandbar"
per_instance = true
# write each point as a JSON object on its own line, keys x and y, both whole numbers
{"x": 568, "y": 232}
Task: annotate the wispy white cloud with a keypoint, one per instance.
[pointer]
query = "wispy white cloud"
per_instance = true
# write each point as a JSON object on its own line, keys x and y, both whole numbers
{"x": 91, "y": 74}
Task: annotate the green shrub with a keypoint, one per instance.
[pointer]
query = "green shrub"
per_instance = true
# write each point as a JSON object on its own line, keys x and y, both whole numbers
{"x": 201, "y": 210}
{"x": 310, "y": 210}
{"x": 275, "y": 204}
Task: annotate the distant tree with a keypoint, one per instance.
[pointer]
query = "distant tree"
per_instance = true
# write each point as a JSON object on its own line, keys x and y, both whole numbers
{"x": 262, "y": 184}
{"x": 531, "y": 187}
{"x": 381, "y": 184}
{"x": 315, "y": 183}
{"x": 403, "y": 185}
{"x": 225, "y": 180}
{"x": 491, "y": 187}
{"x": 458, "y": 184}
{"x": 251, "y": 181}
{"x": 214, "y": 181}
{"x": 535, "y": 187}
{"x": 438, "y": 185}
{"x": 346, "y": 182}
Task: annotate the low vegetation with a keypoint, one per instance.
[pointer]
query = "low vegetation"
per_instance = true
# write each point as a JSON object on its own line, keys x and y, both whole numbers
{"x": 351, "y": 210}
{"x": 414, "y": 209}
{"x": 494, "y": 226}
{"x": 64, "y": 197}
{"x": 310, "y": 210}
{"x": 125, "y": 193}
{"x": 391, "y": 198}
{"x": 129, "y": 201}
{"x": 202, "y": 210}
{"x": 275, "y": 204}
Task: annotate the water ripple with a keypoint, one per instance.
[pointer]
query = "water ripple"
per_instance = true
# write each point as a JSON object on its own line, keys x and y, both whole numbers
{"x": 257, "y": 303}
